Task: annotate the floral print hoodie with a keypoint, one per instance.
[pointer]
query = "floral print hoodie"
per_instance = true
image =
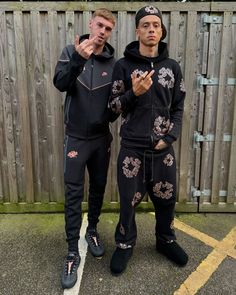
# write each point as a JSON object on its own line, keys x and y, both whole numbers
{"x": 157, "y": 114}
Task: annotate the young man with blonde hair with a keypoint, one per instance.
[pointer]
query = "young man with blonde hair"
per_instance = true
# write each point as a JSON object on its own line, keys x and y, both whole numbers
{"x": 84, "y": 71}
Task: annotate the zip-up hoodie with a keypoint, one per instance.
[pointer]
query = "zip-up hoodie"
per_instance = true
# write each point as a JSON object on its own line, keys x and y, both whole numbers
{"x": 87, "y": 84}
{"x": 157, "y": 114}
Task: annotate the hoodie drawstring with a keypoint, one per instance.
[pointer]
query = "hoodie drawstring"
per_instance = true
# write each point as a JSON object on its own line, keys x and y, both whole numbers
{"x": 146, "y": 152}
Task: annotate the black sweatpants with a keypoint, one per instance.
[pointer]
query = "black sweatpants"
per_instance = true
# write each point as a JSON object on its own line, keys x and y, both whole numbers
{"x": 79, "y": 154}
{"x": 146, "y": 171}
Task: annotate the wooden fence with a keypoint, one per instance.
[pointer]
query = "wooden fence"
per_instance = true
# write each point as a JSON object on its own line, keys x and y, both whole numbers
{"x": 201, "y": 37}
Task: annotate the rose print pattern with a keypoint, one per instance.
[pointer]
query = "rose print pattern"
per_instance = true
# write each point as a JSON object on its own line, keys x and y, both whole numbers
{"x": 116, "y": 105}
{"x": 118, "y": 87}
{"x": 151, "y": 9}
{"x": 137, "y": 72}
{"x": 169, "y": 160}
{"x": 161, "y": 126}
{"x": 166, "y": 77}
{"x": 163, "y": 190}
{"x": 136, "y": 199}
{"x": 131, "y": 167}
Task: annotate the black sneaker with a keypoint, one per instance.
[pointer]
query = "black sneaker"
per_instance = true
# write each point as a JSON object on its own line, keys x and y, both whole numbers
{"x": 173, "y": 252}
{"x": 69, "y": 275}
{"x": 95, "y": 245}
{"x": 120, "y": 260}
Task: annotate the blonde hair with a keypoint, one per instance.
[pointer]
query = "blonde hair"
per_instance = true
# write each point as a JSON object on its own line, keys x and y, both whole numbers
{"x": 105, "y": 13}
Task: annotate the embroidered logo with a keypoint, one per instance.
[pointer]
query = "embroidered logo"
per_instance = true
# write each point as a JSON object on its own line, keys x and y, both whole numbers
{"x": 72, "y": 154}
{"x": 137, "y": 73}
{"x": 131, "y": 167}
{"x": 136, "y": 199}
{"x": 104, "y": 74}
{"x": 118, "y": 87}
{"x": 151, "y": 9}
{"x": 166, "y": 77}
{"x": 161, "y": 125}
{"x": 169, "y": 160}
{"x": 163, "y": 190}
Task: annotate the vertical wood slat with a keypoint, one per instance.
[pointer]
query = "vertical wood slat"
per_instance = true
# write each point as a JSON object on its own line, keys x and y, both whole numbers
{"x": 231, "y": 189}
{"x": 122, "y": 35}
{"x": 56, "y": 115}
{"x": 189, "y": 76}
{"x": 219, "y": 113}
{"x": 25, "y": 138}
{"x": 70, "y": 28}
{"x": 174, "y": 34}
{"x": 7, "y": 113}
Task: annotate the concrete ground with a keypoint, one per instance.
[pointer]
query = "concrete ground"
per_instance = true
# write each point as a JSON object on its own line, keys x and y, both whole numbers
{"x": 32, "y": 249}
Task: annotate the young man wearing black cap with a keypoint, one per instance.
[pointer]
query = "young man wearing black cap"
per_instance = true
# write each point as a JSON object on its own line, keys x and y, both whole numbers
{"x": 148, "y": 90}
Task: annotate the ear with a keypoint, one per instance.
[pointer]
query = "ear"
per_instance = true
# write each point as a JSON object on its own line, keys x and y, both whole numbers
{"x": 137, "y": 33}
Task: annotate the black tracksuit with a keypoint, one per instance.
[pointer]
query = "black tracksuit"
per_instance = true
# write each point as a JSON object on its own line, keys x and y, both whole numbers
{"x": 155, "y": 115}
{"x": 87, "y": 142}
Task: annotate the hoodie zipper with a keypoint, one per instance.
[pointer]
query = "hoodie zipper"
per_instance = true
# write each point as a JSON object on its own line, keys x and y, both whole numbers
{"x": 90, "y": 91}
{"x": 152, "y": 139}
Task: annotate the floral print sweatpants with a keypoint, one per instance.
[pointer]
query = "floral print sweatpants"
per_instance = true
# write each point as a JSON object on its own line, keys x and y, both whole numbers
{"x": 139, "y": 172}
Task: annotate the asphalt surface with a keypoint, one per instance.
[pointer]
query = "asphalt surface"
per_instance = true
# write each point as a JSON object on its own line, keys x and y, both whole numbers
{"x": 32, "y": 249}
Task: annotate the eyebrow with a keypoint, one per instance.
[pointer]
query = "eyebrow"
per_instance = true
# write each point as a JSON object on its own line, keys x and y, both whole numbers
{"x": 107, "y": 27}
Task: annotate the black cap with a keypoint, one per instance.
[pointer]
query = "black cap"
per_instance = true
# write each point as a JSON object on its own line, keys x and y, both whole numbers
{"x": 150, "y": 10}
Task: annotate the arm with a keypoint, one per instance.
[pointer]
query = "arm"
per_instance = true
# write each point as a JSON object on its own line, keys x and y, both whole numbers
{"x": 68, "y": 69}
{"x": 176, "y": 109}
{"x": 122, "y": 100}
{"x": 70, "y": 65}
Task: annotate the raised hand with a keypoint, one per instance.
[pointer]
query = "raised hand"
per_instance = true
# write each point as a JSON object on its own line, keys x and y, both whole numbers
{"x": 142, "y": 83}
{"x": 85, "y": 48}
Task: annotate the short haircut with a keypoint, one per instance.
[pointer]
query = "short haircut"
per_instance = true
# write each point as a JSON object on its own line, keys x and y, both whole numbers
{"x": 105, "y": 13}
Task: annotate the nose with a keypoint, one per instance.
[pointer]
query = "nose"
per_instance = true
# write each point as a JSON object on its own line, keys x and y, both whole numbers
{"x": 103, "y": 30}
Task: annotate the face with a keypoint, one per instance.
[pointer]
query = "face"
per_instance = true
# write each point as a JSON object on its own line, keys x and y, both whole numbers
{"x": 101, "y": 28}
{"x": 149, "y": 30}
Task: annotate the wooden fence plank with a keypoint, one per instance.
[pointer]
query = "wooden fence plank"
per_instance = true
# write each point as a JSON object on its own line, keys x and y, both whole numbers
{"x": 184, "y": 188}
{"x": 70, "y": 28}
{"x": 25, "y": 137}
{"x": 217, "y": 162}
{"x": 231, "y": 188}
{"x": 7, "y": 136}
{"x": 55, "y": 107}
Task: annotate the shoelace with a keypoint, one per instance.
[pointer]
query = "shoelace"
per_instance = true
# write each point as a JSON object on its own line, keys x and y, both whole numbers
{"x": 94, "y": 238}
{"x": 70, "y": 265}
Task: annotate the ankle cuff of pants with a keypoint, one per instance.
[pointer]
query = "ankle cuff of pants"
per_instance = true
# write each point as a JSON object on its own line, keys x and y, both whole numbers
{"x": 73, "y": 246}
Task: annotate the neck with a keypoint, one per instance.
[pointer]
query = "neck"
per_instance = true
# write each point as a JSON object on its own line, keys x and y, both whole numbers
{"x": 97, "y": 50}
{"x": 148, "y": 51}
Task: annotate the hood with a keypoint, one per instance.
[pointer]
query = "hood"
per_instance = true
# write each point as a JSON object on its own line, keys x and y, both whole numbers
{"x": 108, "y": 50}
{"x": 132, "y": 52}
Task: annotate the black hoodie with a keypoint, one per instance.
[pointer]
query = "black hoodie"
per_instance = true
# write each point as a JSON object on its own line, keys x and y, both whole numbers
{"x": 87, "y": 84}
{"x": 157, "y": 114}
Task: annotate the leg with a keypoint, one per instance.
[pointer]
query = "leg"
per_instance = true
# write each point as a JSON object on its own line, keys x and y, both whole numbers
{"x": 132, "y": 190}
{"x": 74, "y": 167}
{"x": 163, "y": 195}
{"x": 75, "y": 160}
{"x": 97, "y": 168}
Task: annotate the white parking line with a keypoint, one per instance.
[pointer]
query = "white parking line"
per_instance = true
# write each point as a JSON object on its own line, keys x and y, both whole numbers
{"x": 83, "y": 252}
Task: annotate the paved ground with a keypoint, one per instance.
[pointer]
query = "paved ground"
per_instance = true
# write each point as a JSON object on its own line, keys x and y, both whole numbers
{"x": 32, "y": 248}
